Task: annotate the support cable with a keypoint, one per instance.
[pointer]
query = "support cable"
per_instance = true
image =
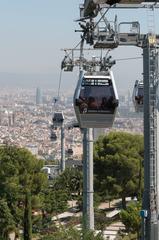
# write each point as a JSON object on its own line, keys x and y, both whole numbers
{"x": 58, "y": 91}
{"x": 78, "y": 44}
{"x": 103, "y": 15}
{"x": 131, "y": 58}
{"x": 59, "y": 87}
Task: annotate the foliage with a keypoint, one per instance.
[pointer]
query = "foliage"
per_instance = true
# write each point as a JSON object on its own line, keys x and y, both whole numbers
{"x": 7, "y": 223}
{"x": 27, "y": 217}
{"x": 73, "y": 234}
{"x": 20, "y": 172}
{"x": 68, "y": 186}
{"x": 131, "y": 218}
{"x": 127, "y": 237}
{"x": 56, "y": 200}
{"x": 100, "y": 220}
{"x": 70, "y": 181}
{"x": 97, "y": 200}
{"x": 118, "y": 165}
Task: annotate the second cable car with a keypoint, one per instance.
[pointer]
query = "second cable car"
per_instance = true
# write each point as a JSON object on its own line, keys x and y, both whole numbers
{"x": 96, "y": 99}
{"x": 70, "y": 151}
{"x": 58, "y": 119}
{"x": 138, "y": 96}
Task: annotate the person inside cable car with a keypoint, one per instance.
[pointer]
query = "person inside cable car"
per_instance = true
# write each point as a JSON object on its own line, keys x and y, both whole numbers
{"x": 104, "y": 103}
{"x": 92, "y": 103}
{"x": 139, "y": 98}
{"x": 83, "y": 100}
{"x": 82, "y": 103}
{"x": 109, "y": 103}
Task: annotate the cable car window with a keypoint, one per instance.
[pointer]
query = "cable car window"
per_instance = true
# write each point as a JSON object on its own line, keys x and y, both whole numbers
{"x": 96, "y": 98}
{"x": 141, "y": 91}
{"x": 140, "y": 96}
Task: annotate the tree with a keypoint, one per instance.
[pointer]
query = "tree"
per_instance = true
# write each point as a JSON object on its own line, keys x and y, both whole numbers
{"x": 118, "y": 165}
{"x": 7, "y": 223}
{"x": 71, "y": 181}
{"x": 131, "y": 218}
{"x": 20, "y": 171}
{"x": 27, "y": 217}
{"x": 56, "y": 201}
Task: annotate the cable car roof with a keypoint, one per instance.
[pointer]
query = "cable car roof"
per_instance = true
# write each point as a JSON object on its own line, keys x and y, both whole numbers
{"x": 97, "y": 77}
{"x": 58, "y": 116}
{"x": 102, "y": 74}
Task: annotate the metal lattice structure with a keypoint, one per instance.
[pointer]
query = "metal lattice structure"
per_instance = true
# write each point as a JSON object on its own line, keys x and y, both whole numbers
{"x": 151, "y": 160}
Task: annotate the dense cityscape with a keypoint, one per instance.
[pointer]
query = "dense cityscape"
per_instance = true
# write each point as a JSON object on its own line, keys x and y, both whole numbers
{"x": 26, "y": 118}
{"x": 26, "y": 121}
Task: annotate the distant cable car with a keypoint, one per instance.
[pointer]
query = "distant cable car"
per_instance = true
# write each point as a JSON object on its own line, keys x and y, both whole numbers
{"x": 96, "y": 99}
{"x": 53, "y": 136}
{"x": 58, "y": 119}
{"x": 53, "y": 127}
{"x": 70, "y": 152}
{"x": 138, "y": 96}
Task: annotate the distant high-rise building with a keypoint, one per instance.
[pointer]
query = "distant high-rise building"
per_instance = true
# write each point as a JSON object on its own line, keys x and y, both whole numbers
{"x": 0, "y": 118}
{"x": 38, "y": 96}
{"x": 10, "y": 119}
{"x": 13, "y": 116}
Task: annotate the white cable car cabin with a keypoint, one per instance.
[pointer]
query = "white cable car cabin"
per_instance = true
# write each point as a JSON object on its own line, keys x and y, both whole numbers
{"x": 138, "y": 96}
{"x": 96, "y": 99}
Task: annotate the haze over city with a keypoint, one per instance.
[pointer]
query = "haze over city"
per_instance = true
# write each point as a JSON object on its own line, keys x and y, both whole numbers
{"x": 33, "y": 34}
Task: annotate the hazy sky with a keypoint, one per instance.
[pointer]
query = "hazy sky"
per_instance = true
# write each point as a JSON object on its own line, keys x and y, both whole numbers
{"x": 33, "y": 32}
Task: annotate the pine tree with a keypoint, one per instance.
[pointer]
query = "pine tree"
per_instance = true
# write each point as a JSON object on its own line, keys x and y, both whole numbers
{"x": 27, "y": 217}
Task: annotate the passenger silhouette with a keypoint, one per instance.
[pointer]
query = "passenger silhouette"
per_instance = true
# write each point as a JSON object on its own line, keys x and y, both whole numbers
{"x": 92, "y": 103}
{"x": 112, "y": 103}
{"x": 104, "y": 103}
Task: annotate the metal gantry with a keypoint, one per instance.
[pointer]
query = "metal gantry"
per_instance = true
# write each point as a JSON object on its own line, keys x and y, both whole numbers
{"x": 150, "y": 228}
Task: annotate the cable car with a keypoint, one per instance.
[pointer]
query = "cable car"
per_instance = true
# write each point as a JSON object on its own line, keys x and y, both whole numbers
{"x": 53, "y": 127}
{"x": 58, "y": 119}
{"x": 53, "y": 136}
{"x": 96, "y": 99}
{"x": 70, "y": 152}
{"x": 138, "y": 96}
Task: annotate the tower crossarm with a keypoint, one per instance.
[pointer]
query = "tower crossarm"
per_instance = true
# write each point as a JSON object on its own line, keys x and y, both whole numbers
{"x": 92, "y": 7}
